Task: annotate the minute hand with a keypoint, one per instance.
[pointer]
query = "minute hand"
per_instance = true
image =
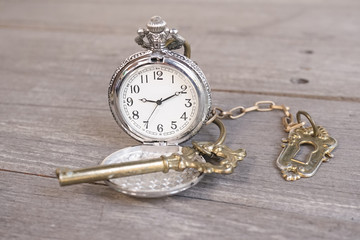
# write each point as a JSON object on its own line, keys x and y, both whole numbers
{"x": 175, "y": 94}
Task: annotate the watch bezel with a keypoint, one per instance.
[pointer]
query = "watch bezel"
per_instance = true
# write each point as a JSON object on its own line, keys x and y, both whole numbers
{"x": 168, "y": 58}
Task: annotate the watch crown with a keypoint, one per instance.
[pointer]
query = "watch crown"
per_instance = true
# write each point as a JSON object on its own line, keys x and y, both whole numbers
{"x": 156, "y": 24}
{"x": 159, "y": 36}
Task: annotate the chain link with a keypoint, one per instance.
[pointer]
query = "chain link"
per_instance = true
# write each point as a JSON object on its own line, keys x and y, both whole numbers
{"x": 260, "y": 106}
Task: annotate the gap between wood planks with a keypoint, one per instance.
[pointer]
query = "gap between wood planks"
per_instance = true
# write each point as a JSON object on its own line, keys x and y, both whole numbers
{"x": 276, "y": 94}
{"x": 103, "y": 184}
{"x": 293, "y": 95}
{"x": 41, "y": 175}
{"x": 176, "y": 195}
{"x": 26, "y": 173}
{"x": 100, "y": 29}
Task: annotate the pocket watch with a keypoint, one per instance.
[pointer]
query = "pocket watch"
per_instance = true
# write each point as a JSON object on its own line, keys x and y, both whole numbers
{"x": 161, "y": 98}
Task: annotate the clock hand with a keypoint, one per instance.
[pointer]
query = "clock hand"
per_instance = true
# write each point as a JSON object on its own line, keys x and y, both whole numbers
{"x": 158, "y": 102}
{"x": 145, "y": 100}
{"x": 176, "y": 94}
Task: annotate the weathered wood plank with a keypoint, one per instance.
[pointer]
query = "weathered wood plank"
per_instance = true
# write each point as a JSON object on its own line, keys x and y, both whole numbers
{"x": 244, "y": 49}
{"x": 35, "y": 208}
{"x": 83, "y": 135}
{"x": 77, "y": 140}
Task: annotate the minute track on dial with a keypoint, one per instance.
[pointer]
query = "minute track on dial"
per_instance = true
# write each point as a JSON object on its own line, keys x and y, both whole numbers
{"x": 170, "y": 116}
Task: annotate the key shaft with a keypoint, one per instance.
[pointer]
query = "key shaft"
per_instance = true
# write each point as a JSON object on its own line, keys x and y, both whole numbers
{"x": 106, "y": 172}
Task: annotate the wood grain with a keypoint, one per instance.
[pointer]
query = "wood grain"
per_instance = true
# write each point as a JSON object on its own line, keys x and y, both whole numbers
{"x": 94, "y": 212}
{"x": 286, "y": 43}
{"x": 57, "y": 58}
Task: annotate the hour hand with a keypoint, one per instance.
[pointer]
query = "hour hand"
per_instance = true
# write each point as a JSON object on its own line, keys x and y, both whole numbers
{"x": 145, "y": 100}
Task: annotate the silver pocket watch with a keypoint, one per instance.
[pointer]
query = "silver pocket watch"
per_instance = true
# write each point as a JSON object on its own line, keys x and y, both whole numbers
{"x": 160, "y": 98}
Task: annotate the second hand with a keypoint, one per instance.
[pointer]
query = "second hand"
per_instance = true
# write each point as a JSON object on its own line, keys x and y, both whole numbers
{"x": 157, "y": 104}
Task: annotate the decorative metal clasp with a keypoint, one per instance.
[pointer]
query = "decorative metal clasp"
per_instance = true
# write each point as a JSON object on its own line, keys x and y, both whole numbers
{"x": 292, "y": 168}
{"x": 226, "y": 158}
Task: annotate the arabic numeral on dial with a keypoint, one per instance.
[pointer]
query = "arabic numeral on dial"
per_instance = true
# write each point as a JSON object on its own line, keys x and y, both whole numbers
{"x": 135, "y": 114}
{"x": 158, "y": 75}
{"x": 144, "y": 79}
{"x": 160, "y": 128}
{"x": 173, "y": 125}
{"x": 183, "y": 116}
{"x": 129, "y": 101}
{"x": 134, "y": 89}
{"x": 183, "y": 88}
{"x": 188, "y": 103}
{"x": 146, "y": 124}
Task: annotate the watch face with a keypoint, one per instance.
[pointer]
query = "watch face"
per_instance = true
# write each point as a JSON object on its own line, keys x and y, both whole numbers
{"x": 160, "y": 102}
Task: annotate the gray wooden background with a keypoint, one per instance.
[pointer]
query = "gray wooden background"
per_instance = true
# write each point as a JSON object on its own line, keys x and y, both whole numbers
{"x": 56, "y": 60}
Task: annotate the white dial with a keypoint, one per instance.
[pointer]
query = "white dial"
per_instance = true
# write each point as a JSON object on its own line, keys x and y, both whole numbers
{"x": 159, "y": 102}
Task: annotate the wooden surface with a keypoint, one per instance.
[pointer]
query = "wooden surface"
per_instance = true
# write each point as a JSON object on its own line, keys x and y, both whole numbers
{"x": 57, "y": 58}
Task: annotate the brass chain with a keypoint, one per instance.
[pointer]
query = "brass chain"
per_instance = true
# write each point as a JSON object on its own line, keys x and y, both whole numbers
{"x": 260, "y": 106}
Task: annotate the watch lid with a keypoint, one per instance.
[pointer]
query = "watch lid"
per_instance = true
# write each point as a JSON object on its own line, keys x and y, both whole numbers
{"x": 156, "y": 184}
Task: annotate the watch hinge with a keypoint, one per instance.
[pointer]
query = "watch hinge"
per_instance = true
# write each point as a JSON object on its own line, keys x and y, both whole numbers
{"x": 160, "y": 144}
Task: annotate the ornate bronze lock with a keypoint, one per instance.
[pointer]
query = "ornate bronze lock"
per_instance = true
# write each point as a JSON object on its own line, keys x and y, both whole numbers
{"x": 292, "y": 168}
